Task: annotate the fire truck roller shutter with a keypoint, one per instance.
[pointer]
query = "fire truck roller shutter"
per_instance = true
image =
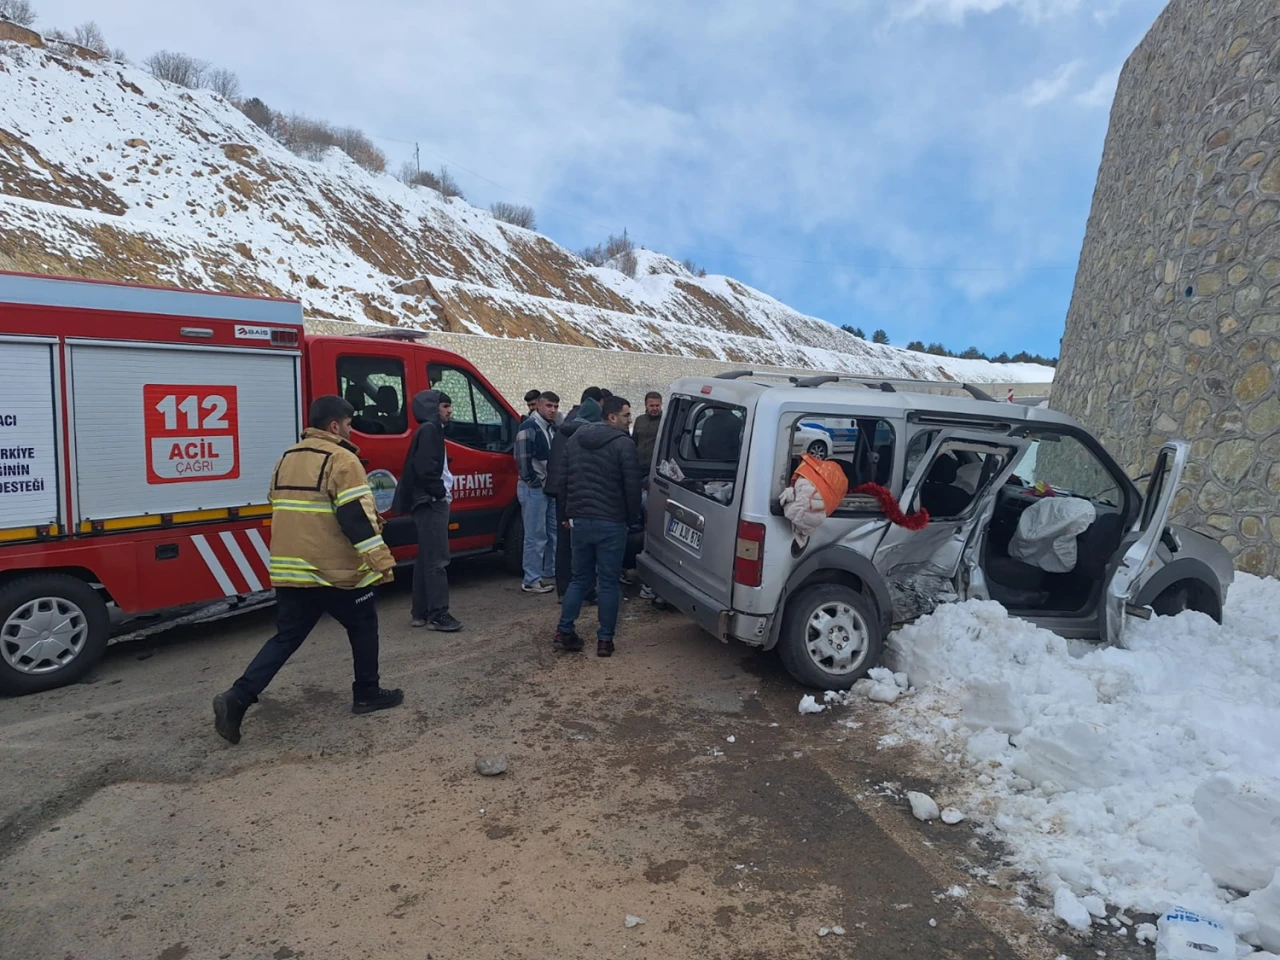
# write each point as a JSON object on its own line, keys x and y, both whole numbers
{"x": 160, "y": 430}
{"x": 30, "y": 455}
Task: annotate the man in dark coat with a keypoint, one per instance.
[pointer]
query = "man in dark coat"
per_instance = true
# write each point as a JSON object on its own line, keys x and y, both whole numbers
{"x": 591, "y": 393}
{"x": 588, "y": 411}
{"x": 645, "y": 429}
{"x": 425, "y": 491}
{"x": 601, "y": 489}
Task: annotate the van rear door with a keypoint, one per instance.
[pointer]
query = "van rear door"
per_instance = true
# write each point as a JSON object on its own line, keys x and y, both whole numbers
{"x": 695, "y": 491}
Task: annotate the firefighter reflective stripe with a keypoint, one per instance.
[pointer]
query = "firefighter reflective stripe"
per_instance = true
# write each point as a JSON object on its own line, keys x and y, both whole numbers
{"x": 295, "y": 562}
{"x": 295, "y": 570}
{"x": 299, "y": 577}
{"x": 302, "y": 506}
{"x": 364, "y": 546}
{"x": 355, "y": 493}
{"x": 369, "y": 579}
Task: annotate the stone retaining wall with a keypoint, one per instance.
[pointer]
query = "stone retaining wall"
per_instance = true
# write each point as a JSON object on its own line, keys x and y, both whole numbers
{"x": 515, "y": 366}
{"x": 1174, "y": 324}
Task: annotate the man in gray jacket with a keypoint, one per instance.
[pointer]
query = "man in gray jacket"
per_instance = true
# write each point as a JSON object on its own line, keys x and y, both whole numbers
{"x": 600, "y": 487}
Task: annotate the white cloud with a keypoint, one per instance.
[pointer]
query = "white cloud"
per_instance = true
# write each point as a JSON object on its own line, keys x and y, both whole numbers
{"x": 1050, "y": 88}
{"x": 955, "y": 11}
{"x": 1102, "y": 92}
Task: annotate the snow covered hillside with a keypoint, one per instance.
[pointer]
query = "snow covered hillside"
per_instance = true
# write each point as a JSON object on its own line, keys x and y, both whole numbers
{"x": 106, "y": 172}
{"x": 1140, "y": 779}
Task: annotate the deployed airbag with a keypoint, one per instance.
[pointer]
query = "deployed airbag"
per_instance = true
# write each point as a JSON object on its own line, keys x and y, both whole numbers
{"x": 1047, "y": 531}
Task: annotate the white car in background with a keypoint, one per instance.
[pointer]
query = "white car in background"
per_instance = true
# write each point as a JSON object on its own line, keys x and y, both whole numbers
{"x": 811, "y": 440}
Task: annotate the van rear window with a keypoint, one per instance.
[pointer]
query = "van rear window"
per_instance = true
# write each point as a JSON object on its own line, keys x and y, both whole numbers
{"x": 702, "y": 446}
{"x": 863, "y": 447}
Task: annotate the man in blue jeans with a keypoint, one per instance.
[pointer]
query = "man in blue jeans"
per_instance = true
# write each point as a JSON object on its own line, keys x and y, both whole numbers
{"x": 537, "y": 510}
{"x": 600, "y": 487}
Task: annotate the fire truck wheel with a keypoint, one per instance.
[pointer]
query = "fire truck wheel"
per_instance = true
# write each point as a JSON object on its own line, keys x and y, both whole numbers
{"x": 513, "y": 545}
{"x": 53, "y": 629}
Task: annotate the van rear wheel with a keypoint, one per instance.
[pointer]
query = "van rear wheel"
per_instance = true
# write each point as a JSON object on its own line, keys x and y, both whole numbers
{"x": 53, "y": 629}
{"x": 830, "y": 636}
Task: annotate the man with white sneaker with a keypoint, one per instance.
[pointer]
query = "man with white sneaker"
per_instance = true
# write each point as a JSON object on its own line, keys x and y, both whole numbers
{"x": 537, "y": 510}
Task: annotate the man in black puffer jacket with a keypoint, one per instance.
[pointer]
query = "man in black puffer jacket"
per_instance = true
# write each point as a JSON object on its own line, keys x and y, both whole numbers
{"x": 600, "y": 487}
{"x": 588, "y": 411}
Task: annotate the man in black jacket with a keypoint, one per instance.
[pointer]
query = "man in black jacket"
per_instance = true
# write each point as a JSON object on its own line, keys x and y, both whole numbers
{"x": 588, "y": 411}
{"x": 425, "y": 491}
{"x": 600, "y": 486}
{"x": 591, "y": 393}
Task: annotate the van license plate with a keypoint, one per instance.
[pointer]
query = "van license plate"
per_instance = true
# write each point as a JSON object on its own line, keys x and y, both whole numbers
{"x": 684, "y": 533}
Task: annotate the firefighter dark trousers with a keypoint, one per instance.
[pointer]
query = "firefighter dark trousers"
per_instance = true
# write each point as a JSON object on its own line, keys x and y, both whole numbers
{"x": 298, "y": 610}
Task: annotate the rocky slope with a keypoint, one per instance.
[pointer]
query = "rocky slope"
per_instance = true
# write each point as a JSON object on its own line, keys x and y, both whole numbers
{"x": 106, "y": 172}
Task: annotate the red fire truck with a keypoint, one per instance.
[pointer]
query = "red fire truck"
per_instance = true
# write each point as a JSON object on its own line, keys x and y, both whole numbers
{"x": 138, "y": 430}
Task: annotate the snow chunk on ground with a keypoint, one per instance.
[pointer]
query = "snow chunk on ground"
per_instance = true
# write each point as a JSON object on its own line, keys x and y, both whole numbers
{"x": 1240, "y": 828}
{"x": 1264, "y": 905}
{"x": 810, "y": 705}
{"x": 922, "y": 806}
{"x": 881, "y": 685}
{"x": 951, "y": 816}
{"x": 1068, "y": 908}
{"x": 1147, "y": 777}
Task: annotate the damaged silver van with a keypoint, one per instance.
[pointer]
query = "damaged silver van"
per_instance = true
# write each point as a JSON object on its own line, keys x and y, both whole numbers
{"x": 718, "y": 547}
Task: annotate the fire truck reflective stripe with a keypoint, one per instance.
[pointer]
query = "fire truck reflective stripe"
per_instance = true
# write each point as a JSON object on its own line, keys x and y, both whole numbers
{"x": 242, "y": 562}
{"x": 215, "y": 565}
{"x": 302, "y": 506}
{"x": 364, "y": 546}
{"x": 355, "y": 493}
{"x": 260, "y": 545}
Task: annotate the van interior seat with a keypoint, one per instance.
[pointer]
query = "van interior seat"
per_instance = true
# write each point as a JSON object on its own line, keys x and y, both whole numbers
{"x": 721, "y": 438}
{"x": 939, "y": 493}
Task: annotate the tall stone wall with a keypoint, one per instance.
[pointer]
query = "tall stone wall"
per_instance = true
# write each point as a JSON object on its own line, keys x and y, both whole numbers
{"x": 1174, "y": 325}
{"x": 515, "y": 366}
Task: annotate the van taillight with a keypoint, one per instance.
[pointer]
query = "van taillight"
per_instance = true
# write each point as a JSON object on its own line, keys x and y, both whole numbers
{"x": 748, "y": 558}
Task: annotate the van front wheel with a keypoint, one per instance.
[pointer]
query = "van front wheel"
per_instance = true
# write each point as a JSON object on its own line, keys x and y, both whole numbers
{"x": 830, "y": 636}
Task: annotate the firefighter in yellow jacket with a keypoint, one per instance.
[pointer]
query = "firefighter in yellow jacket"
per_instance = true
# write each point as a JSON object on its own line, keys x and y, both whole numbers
{"x": 327, "y": 554}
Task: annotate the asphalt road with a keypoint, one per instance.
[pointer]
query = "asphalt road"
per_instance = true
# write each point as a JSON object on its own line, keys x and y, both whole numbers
{"x": 128, "y": 829}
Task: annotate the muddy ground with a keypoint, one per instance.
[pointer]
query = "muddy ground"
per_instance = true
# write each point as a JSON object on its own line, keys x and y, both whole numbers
{"x": 129, "y": 830}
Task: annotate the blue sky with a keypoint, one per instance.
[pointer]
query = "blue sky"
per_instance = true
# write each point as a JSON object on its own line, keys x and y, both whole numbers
{"x": 925, "y": 166}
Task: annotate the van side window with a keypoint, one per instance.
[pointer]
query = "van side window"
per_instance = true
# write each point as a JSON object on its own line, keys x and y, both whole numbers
{"x": 701, "y": 447}
{"x": 916, "y": 450}
{"x": 479, "y": 420}
{"x": 374, "y": 386}
{"x": 862, "y": 446}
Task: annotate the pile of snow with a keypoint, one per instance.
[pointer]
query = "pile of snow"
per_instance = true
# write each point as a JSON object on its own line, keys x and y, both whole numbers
{"x": 1147, "y": 778}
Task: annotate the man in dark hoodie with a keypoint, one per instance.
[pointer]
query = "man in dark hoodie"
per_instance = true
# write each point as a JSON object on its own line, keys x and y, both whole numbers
{"x": 425, "y": 491}
{"x": 588, "y": 411}
{"x": 591, "y": 393}
{"x": 600, "y": 485}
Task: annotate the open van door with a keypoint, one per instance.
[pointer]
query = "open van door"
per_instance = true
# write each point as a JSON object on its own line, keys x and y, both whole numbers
{"x": 1138, "y": 563}
{"x": 917, "y": 563}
